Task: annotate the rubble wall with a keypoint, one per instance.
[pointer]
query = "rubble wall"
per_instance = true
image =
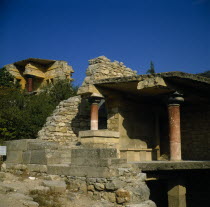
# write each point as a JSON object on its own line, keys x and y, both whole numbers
{"x": 195, "y": 132}
{"x": 66, "y": 121}
{"x": 102, "y": 68}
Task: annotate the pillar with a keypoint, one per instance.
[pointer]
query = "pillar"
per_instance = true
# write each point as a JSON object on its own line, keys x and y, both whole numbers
{"x": 176, "y": 193}
{"x": 30, "y": 83}
{"x": 174, "y": 126}
{"x": 94, "y": 112}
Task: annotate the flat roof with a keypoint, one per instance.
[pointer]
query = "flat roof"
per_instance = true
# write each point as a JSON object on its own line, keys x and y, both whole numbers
{"x": 186, "y": 82}
{"x": 168, "y": 75}
{"x": 34, "y": 60}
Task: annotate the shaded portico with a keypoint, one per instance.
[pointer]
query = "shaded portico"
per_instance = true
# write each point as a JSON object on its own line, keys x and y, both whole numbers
{"x": 146, "y": 112}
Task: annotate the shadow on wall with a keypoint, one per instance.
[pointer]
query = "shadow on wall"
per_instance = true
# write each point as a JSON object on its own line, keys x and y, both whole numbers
{"x": 137, "y": 127}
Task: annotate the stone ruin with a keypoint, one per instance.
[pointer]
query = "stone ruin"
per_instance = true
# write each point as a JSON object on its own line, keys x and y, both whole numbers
{"x": 34, "y": 73}
{"x": 123, "y": 133}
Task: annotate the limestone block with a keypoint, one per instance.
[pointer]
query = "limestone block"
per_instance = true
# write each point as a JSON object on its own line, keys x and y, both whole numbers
{"x": 38, "y": 157}
{"x": 151, "y": 83}
{"x": 91, "y": 188}
{"x": 99, "y": 186}
{"x": 140, "y": 192}
{"x": 37, "y": 168}
{"x": 148, "y": 203}
{"x": 30, "y": 204}
{"x": 115, "y": 184}
{"x": 18, "y": 145}
{"x": 92, "y": 157}
{"x": 58, "y": 169}
{"x": 14, "y": 156}
{"x": 83, "y": 171}
{"x": 41, "y": 145}
{"x": 26, "y": 157}
{"x": 122, "y": 196}
{"x": 55, "y": 185}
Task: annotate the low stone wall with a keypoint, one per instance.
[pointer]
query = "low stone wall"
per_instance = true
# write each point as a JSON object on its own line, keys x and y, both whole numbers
{"x": 95, "y": 172}
{"x": 127, "y": 189}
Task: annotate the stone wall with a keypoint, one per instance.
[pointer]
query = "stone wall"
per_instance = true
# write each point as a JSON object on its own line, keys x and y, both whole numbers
{"x": 96, "y": 172}
{"x": 43, "y": 72}
{"x": 127, "y": 189}
{"x": 102, "y": 68}
{"x": 195, "y": 132}
{"x": 69, "y": 117}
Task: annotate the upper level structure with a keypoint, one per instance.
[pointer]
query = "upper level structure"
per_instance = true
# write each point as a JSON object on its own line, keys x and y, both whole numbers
{"x": 157, "y": 117}
{"x": 33, "y": 73}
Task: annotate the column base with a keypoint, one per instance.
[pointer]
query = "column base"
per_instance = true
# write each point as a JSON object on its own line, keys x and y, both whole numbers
{"x": 100, "y": 138}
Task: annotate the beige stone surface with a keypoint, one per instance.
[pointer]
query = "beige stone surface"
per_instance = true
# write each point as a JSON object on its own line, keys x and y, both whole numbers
{"x": 43, "y": 71}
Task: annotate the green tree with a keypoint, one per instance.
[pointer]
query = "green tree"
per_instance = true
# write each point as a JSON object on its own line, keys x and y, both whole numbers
{"x": 22, "y": 115}
{"x": 151, "y": 70}
{"x": 205, "y": 74}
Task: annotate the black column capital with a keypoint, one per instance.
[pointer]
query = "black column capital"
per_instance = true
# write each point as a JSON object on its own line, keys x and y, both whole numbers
{"x": 94, "y": 99}
{"x": 175, "y": 98}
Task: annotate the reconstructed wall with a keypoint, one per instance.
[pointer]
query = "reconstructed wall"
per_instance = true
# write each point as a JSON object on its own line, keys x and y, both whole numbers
{"x": 66, "y": 121}
{"x": 195, "y": 130}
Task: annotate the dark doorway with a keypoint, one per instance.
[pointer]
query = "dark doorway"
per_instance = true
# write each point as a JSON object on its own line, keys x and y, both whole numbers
{"x": 158, "y": 192}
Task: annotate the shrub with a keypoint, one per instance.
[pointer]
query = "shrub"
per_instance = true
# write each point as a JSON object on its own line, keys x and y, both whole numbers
{"x": 22, "y": 115}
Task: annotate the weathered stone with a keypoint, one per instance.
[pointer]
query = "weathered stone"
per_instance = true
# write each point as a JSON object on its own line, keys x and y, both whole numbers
{"x": 38, "y": 157}
{"x": 91, "y": 188}
{"x": 101, "y": 180}
{"x": 18, "y": 145}
{"x": 37, "y": 168}
{"x": 140, "y": 191}
{"x": 56, "y": 186}
{"x": 148, "y": 203}
{"x": 115, "y": 184}
{"x": 122, "y": 196}
{"x": 99, "y": 186}
{"x": 91, "y": 180}
{"x": 34, "y": 67}
{"x": 30, "y": 204}
{"x": 14, "y": 156}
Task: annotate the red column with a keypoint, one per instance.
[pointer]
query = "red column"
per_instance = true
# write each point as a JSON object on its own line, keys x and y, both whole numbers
{"x": 174, "y": 132}
{"x": 30, "y": 84}
{"x": 174, "y": 126}
{"x": 94, "y": 116}
{"x": 94, "y": 112}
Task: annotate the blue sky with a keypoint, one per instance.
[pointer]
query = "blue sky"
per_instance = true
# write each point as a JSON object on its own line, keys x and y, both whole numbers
{"x": 174, "y": 34}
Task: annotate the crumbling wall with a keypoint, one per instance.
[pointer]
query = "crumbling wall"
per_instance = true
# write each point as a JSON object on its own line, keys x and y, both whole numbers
{"x": 67, "y": 120}
{"x": 102, "y": 68}
{"x": 195, "y": 132}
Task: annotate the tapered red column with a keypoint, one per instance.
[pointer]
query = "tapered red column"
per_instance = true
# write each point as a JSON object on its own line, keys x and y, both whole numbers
{"x": 174, "y": 127}
{"x": 30, "y": 84}
{"x": 174, "y": 132}
{"x": 94, "y": 112}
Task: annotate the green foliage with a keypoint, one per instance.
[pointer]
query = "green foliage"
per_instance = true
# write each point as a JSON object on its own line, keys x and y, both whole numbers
{"x": 61, "y": 90}
{"x": 151, "y": 70}
{"x": 6, "y": 79}
{"x": 205, "y": 74}
{"x": 22, "y": 114}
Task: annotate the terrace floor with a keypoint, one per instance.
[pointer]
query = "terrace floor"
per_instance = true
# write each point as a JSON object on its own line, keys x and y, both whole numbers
{"x": 172, "y": 165}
